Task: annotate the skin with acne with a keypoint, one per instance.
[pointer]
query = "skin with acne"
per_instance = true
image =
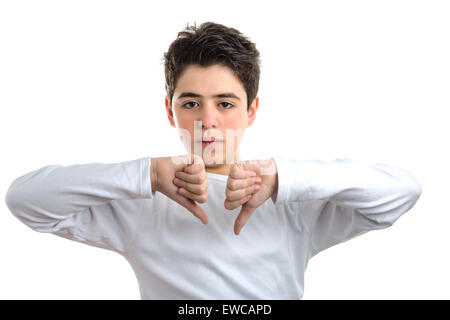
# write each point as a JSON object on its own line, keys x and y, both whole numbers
{"x": 216, "y": 99}
{"x": 217, "y": 114}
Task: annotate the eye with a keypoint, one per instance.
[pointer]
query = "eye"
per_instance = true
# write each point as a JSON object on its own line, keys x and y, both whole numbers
{"x": 184, "y": 105}
{"x": 229, "y": 104}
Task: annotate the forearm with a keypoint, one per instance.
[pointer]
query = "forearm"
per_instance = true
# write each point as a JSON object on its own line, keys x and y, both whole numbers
{"x": 55, "y": 192}
{"x": 379, "y": 191}
{"x": 154, "y": 174}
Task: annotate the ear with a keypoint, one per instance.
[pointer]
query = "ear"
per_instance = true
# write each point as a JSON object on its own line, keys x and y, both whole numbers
{"x": 169, "y": 112}
{"x": 251, "y": 114}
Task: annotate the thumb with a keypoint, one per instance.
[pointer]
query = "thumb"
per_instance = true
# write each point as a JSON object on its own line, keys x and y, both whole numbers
{"x": 241, "y": 220}
{"x": 192, "y": 207}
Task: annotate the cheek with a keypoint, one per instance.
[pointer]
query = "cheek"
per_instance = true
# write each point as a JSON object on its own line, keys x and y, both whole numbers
{"x": 183, "y": 121}
{"x": 185, "y": 128}
{"x": 237, "y": 125}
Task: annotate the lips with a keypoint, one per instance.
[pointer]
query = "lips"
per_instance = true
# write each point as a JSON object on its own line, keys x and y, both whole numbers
{"x": 210, "y": 140}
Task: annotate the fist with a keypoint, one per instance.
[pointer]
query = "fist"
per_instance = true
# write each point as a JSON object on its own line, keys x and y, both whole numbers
{"x": 250, "y": 183}
{"x": 192, "y": 181}
{"x": 184, "y": 180}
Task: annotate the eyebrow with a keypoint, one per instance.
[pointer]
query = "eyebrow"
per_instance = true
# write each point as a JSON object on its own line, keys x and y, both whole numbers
{"x": 221, "y": 95}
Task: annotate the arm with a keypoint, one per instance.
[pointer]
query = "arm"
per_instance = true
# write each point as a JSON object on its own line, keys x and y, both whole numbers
{"x": 344, "y": 198}
{"x": 76, "y": 201}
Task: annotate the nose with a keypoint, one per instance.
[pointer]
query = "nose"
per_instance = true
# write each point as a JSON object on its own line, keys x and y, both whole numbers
{"x": 209, "y": 116}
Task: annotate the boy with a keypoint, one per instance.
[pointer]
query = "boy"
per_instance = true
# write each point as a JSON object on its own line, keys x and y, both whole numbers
{"x": 262, "y": 220}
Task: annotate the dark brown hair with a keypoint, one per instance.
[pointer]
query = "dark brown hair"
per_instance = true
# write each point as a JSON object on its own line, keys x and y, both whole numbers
{"x": 212, "y": 43}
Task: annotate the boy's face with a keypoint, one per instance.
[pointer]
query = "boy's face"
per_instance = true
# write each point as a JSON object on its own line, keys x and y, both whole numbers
{"x": 206, "y": 115}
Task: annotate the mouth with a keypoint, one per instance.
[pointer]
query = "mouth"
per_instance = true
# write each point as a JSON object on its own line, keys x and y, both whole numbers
{"x": 209, "y": 142}
{"x": 212, "y": 139}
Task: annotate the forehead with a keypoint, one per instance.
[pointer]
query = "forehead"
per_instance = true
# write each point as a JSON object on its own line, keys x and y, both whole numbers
{"x": 209, "y": 81}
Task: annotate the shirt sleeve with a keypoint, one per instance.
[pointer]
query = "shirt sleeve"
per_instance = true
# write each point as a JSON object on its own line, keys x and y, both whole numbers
{"x": 344, "y": 198}
{"x": 82, "y": 202}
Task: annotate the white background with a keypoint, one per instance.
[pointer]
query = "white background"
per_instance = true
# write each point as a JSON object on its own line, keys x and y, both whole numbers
{"x": 83, "y": 81}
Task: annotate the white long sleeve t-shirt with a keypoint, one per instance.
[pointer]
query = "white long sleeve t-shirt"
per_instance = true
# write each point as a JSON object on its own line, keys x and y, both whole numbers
{"x": 175, "y": 256}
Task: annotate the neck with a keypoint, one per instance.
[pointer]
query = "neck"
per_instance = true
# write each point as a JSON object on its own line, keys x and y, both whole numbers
{"x": 223, "y": 169}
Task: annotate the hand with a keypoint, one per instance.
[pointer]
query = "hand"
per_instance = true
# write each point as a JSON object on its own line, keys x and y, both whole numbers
{"x": 244, "y": 189}
{"x": 182, "y": 179}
